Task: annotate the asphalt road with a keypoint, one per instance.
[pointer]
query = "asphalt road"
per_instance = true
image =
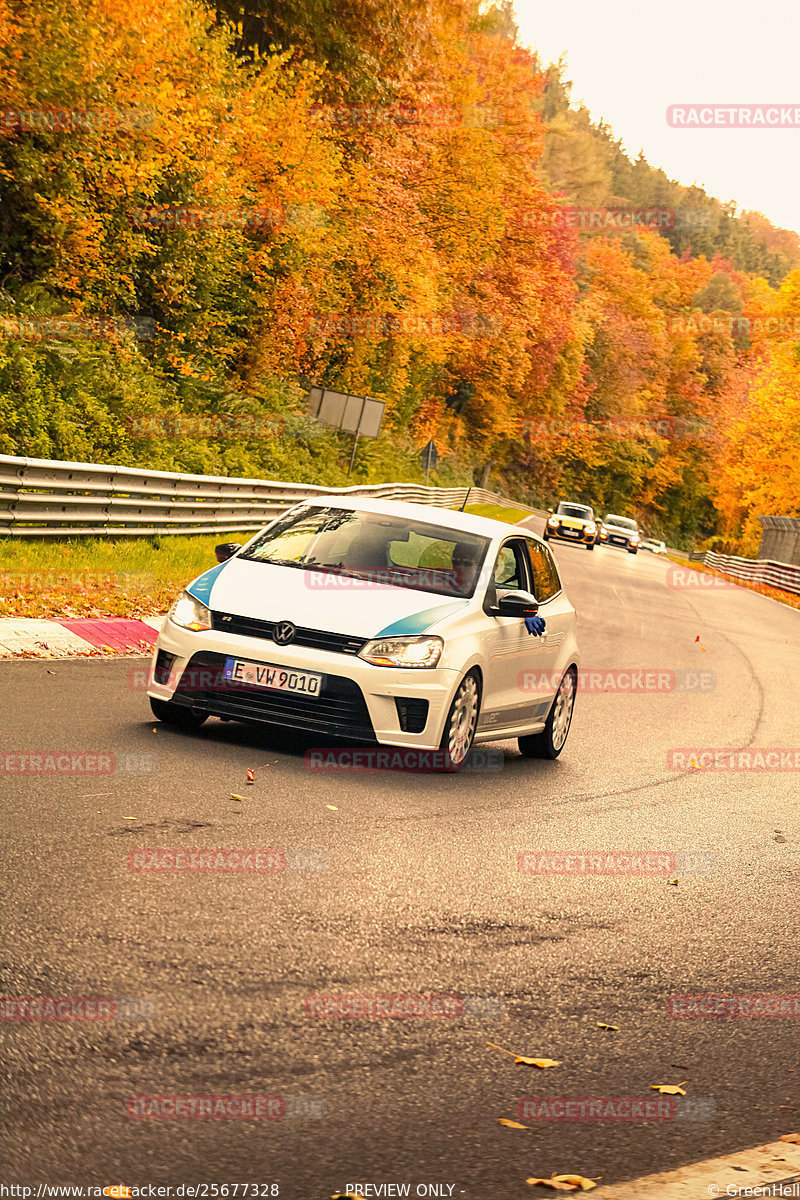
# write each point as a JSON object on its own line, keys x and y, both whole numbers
{"x": 421, "y": 894}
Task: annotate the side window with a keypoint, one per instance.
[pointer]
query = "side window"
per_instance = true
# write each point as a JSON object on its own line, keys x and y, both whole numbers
{"x": 546, "y": 582}
{"x": 509, "y": 569}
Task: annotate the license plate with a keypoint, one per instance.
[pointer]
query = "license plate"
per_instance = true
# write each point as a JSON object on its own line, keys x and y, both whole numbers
{"x": 619, "y": 541}
{"x": 571, "y": 532}
{"x": 265, "y": 675}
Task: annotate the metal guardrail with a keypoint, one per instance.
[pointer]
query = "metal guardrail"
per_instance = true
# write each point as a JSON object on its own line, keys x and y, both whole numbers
{"x": 785, "y": 576}
{"x": 42, "y": 498}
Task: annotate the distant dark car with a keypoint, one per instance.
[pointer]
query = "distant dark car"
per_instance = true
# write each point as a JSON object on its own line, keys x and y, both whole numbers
{"x": 572, "y": 523}
{"x": 620, "y": 531}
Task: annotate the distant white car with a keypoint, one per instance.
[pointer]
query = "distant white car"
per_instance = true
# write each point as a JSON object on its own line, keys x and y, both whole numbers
{"x": 654, "y": 546}
{"x": 378, "y": 621}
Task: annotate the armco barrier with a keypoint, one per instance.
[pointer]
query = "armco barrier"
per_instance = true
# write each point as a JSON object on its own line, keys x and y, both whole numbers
{"x": 785, "y": 576}
{"x": 42, "y": 498}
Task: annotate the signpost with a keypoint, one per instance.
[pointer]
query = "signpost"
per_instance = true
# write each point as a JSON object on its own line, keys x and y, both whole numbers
{"x": 361, "y": 415}
{"x": 429, "y": 459}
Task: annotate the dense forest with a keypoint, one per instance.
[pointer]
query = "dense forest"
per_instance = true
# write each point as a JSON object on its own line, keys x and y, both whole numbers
{"x": 208, "y": 209}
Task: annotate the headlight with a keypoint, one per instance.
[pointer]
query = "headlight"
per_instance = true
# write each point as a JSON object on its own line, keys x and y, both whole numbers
{"x": 403, "y": 651}
{"x": 190, "y": 613}
{"x": 553, "y": 521}
{"x": 591, "y": 527}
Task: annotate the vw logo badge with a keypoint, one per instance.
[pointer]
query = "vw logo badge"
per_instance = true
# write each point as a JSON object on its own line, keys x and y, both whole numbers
{"x": 284, "y": 633}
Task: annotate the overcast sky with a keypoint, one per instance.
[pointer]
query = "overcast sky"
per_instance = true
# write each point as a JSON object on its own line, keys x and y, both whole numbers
{"x": 630, "y": 61}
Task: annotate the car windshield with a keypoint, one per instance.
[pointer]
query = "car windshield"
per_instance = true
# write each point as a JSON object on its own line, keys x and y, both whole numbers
{"x": 621, "y": 522}
{"x": 575, "y": 510}
{"x": 374, "y": 547}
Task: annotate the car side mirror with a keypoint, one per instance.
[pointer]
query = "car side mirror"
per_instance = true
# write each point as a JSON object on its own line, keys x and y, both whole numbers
{"x": 226, "y": 550}
{"x": 549, "y": 512}
{"x": 516, "y": 604}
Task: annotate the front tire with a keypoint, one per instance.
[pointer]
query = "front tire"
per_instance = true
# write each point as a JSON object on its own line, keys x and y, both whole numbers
{"x": 632, "y": 551}
{"x": 462, "y": 720}
{"x": 591, "y": 545}
{"x": 552, "y": 739}
{"x": 176, "y": 714}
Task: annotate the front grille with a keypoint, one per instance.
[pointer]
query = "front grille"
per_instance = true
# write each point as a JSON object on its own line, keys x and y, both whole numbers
{"x": 339, "y": 709}
{"x": 411, "y": 713}
{"x": 317, "y": 639}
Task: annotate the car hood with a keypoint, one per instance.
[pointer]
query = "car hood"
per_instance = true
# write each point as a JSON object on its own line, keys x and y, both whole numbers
{"x": 574, "y": 522}
{"x": 317, "y": 600}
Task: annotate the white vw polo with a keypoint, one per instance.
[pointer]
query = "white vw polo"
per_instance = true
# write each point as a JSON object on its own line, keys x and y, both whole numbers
{"x": 381, "y": 622}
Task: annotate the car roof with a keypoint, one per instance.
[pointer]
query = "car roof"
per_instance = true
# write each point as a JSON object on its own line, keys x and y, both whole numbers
{"x": 575, "y": 504}
{"x": 427, "y": 513}
{"x": 620, "y": 517}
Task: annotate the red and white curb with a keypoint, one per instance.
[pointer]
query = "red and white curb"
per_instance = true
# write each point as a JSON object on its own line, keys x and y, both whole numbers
{"x": 79, "y": 637}
{"x": 772, "y": 1170}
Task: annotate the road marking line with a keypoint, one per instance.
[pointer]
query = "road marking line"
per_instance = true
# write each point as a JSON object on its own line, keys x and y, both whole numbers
{"x": 777, "y": 1162}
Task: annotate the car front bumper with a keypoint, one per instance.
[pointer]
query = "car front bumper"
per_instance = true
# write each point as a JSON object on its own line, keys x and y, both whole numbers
{"x": 358, "y": 701}
{"x": 579, "y": 536}
{"x": 619, "y": 540}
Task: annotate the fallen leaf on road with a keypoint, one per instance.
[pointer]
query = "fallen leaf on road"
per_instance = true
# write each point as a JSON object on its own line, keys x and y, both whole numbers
{"x": 602, "y": 1025}
{"x": 669, "y": 1089}
{"x": 542, "y": 1063}
{"x": 512, "y": 1124}
{"x": 791, "y": 1137}
{"x": 564, "y": 1183}
{"x": 235, "y": 797}
{"x": 251, "y": 775}
{"x": 333, "y": 806}
{"x": 672, "y": 883}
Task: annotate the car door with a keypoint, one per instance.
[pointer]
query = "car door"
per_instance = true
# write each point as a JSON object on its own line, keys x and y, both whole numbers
{"x": 559, "y": 615}
{"x": 513, "y": 655}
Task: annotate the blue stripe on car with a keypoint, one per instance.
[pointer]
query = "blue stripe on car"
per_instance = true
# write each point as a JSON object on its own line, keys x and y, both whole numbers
{"x": 201, "y": 587}
{"x": 418, "y": 622}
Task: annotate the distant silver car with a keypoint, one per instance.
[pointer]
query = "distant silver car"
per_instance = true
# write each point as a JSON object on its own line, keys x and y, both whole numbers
{"x": 619, "y": 531}
{"x": 654, "y": 546}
